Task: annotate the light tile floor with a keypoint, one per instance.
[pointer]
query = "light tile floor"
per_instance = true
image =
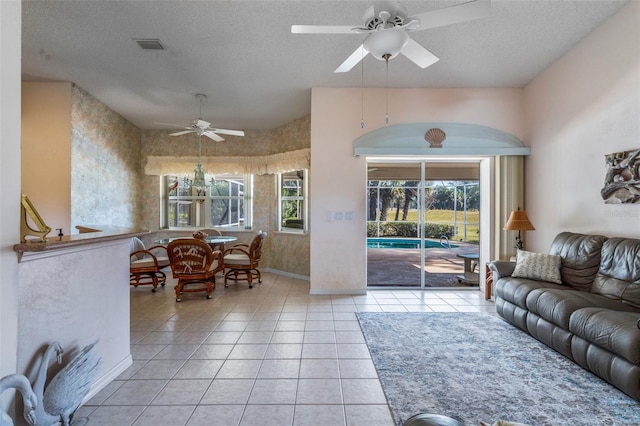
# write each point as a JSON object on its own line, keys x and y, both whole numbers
{"x": 271, "y": 355}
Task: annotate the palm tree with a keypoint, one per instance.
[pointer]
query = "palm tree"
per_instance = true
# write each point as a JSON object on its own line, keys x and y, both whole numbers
{"x": 389, "y": 192}
{"x": 410, "y": 194}
{"x": 373, "y": 204}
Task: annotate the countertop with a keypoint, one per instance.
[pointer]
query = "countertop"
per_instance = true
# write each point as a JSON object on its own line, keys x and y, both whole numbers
{"x": 106, "y": 233}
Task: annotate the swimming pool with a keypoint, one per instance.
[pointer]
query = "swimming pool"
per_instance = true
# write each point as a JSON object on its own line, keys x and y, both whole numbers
{"x": 405, "y": 243}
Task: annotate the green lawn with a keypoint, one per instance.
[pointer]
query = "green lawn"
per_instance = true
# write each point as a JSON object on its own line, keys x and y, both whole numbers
{"x": 446, "y": 217}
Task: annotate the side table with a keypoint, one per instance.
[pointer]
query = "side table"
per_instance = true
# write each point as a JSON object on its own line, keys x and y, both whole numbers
{"x": 469, "y": 276}
{"x": 488, "y": 282}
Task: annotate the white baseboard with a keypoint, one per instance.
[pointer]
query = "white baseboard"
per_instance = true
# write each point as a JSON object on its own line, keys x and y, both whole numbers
{"x": 328, "y": 291}
{"x": 108, "y": 377}
{"x": 286, "y": 274}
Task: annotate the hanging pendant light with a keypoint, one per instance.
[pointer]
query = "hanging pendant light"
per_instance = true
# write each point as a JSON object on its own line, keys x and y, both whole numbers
{"x": 362, "y": 91}
{"x": 386, "y": 58}
{"x": 198, "y": 178}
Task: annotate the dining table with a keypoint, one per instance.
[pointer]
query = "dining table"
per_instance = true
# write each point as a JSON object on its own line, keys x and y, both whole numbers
{"x": 216, "y": 242}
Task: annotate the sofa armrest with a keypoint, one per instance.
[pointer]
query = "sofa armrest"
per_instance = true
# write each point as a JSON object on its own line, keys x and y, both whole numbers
{"x": 501, "y": 268}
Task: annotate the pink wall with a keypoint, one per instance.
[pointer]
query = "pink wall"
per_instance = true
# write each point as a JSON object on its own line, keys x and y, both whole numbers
{"x": 46, "y": 151}
{"x": 585, "y": 105}
{"x": 338, "y": 253}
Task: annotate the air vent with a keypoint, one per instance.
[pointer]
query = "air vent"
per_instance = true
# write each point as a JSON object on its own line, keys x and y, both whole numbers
{"x": 149, "y": 43}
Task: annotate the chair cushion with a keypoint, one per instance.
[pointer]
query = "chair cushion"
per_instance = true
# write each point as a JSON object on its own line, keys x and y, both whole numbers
{"x": 146, "y": 262}
{"x": 136, "y": 244}
{"x": 537, "y": 266}
{"x": 614, "y": 331}
{"x": 236, "y": 259}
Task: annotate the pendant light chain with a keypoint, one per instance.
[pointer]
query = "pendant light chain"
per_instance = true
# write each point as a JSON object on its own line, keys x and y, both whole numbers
{"x": 386, "y": 106}
{"x": 362, "y": 89}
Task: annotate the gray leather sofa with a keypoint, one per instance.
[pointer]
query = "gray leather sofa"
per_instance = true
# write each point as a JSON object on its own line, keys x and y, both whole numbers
{"x": 593, "y": 317}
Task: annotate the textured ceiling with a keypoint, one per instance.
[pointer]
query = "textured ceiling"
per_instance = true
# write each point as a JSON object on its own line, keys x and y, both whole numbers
{"x": 258, "y": 75}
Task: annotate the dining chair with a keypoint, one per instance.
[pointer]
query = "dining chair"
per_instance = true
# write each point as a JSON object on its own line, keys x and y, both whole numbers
{"x": 146, "y": 264}
{"x": 194, "y": 265}
{"x": 242, "y": 260}
{"x": 210, "y": 232}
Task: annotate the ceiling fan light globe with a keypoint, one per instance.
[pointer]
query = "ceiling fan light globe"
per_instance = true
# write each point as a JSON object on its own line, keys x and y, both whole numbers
{"x": 386, "y": 42}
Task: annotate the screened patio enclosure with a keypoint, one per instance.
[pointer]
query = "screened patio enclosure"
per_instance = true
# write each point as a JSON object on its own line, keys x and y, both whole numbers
{"x": 422, "y": 221}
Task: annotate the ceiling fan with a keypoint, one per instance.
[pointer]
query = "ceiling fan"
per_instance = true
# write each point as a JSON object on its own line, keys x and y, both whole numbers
{"x": 203, "y": 128}
{"x": 387, "y": 25}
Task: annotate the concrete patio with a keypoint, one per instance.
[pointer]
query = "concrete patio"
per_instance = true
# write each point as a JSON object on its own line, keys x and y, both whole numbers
{"x": 401, "y": 267}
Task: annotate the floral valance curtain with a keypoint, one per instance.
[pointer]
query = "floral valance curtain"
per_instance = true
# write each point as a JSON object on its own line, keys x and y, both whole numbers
{"x": 257, "y": 165}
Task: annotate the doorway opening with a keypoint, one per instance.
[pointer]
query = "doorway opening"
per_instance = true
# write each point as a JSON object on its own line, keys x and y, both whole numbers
{"x": 423, "y": 223}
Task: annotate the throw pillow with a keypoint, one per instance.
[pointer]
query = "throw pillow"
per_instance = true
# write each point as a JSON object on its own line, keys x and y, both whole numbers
{"x": 538, "y": 266}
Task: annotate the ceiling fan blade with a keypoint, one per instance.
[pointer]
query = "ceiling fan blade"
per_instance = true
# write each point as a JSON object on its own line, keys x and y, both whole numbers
{"x": 463, "y": 12}
{"x": 418, "y": 54}
{"x": 213, "y": 136}
{"x": 353, "y": 60}
{"x": 172, "y": 125}
{"x": 322, "y": 29}
{"x": 202, "y": 124}
{"x": 184, "y": 132}
{"x": 228, "y": 132}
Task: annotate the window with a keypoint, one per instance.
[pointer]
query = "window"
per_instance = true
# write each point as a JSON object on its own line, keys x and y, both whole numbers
{"x": 292, "y": 201}
{"x": 224, "y": 202}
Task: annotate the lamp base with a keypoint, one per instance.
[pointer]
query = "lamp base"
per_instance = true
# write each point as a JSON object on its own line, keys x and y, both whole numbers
{"x": 519, "y": 244}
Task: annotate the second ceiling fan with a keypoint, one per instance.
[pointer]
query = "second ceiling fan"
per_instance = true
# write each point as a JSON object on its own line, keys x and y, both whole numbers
{"x": 203, "y": 128}
{"x": 388, "y": 24}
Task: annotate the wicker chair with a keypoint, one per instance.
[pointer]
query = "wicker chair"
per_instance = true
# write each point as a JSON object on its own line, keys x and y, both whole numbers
{"x": 241, "y": 261}
{"x": 146, "y": 264}
{"x": 213, "y": 233}
{"x": 194, "y": 264}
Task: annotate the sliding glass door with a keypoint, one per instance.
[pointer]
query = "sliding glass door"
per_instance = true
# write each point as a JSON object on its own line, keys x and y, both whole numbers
{"x": 422, "y": 223}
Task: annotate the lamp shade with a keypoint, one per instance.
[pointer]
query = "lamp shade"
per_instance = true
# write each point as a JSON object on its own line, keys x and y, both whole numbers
{"x": 518, "y": 221}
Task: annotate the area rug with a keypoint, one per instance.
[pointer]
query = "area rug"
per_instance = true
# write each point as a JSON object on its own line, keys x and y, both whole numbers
{"x": 476, "y": 367}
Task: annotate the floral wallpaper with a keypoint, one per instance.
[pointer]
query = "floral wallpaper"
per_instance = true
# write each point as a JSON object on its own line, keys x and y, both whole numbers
{"x": 105, "y": 165}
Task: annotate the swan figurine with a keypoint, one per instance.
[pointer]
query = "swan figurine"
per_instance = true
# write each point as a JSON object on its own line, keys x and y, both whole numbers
{"x": 64, "y": 393}
{"x": 30, "y": 401}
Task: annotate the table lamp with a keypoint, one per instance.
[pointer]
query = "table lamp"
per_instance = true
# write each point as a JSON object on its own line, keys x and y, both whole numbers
{"x": 518, "y": 221}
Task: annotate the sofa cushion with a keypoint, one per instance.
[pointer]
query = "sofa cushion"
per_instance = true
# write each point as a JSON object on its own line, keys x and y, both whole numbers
{"x": 619, "y": 274}
{"x": 557, "y": 305}
{"x": 614, "y": 331}
{"x": 537, "y": 266}
{"x": 516, "y": 290}
{"x": 580, "y": 258}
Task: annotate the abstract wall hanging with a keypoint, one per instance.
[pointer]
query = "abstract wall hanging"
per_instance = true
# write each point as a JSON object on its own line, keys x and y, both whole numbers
{"x": 622, "y": 180}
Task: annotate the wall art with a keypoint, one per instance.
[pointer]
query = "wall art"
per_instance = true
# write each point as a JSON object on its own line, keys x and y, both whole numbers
{"x": 622, "y": 180}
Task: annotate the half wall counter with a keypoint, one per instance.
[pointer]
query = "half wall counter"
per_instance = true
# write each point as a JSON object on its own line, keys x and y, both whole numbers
{"x": 75, "y": 290}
